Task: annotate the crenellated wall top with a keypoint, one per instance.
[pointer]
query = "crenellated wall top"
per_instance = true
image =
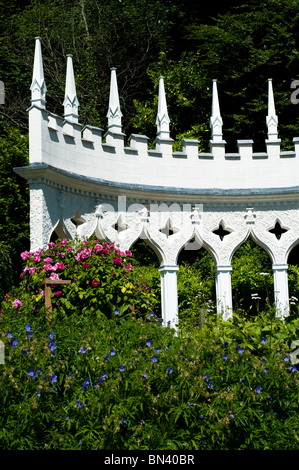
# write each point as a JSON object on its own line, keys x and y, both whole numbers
{"x": 62, "y": 143}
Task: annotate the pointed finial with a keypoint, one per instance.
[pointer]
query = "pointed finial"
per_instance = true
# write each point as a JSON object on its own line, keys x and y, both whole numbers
{"x": 114, "y": 114}
{"x": 38, "y": 85}
{"x": 216, "y": 119}
{"x": 162, "y": 120}
{"x": 271, "y": 119}
{"x": 71, "y": 102}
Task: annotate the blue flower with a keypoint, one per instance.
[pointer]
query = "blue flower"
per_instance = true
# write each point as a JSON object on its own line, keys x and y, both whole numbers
{"x": 157, "y": 349}
{"x": 258, "y": 389}
{"x": 28, "y": 327}
{"x": 116, "y": 311}
{"x": 106, "y": 358}
{"x": 104, "y": 375}
{"x": 239, "y": 349}
{"x": 293, "y": 369}
{"x": 51, "y": 335}
{"x": 266, "y": 370}
{"x": 86, "y": 384}
{"x": 25, "y": 351}
{"x": 9, "y": 334}
{"x": 263, "y": 341}
{"x": 123, "y": 420}
{"x": 79, "y": 403}
{"x": 211, "y": 385}
{"x": 83, "y": 349}
{"x": 29, "y": 335}
{"x": 54, "y": 378}
{"x": 286, "y": 358}
{"x": 31, "y": 373}
{"x": 242, "y": 380}
{"x": 206, "y": 377}
{"x": 13, "y": 343}
{"x": 38, "y": 392}
{"x": 225, "y": 357}
{"x": 226, "y": 343}
{"x": 144, "y": 376}
{"x": 112, "y": 352}
{"x": 39, "y": 370}
{"x": 121, "y": 368}
{"x": 154, "y": 358}
{"x": 52, "y": 345}
{"x": 169, "y": 370}
{"x": 148, "y": 342}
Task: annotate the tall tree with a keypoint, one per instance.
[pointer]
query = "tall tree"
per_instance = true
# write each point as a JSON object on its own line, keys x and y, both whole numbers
{"x": 241, "y": 48}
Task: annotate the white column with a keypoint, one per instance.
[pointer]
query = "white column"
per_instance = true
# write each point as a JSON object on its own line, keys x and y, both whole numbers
{"x": 281, "y": 289}
{"x": 224, "y": 291}
{"x": 40, "y": 220}
{"x": 169, "y": 295}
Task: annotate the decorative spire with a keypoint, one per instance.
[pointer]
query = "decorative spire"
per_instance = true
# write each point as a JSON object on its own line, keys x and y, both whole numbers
{"x": 162, "y": 120}
{"x": 216, "y": 119}
{"x": 71, "y": 102}
{"x": 114, "y": 114}
{"x": 38, "y": 85}
{"x": 271, "y": 119}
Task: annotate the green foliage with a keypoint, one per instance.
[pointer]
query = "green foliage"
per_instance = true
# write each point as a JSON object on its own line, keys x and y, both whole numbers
{"x": 14, "y": 197}
{"x": 243, "y": 47}
{"x": 6, "y": 272}
{"x": 126, "y": 383}
{"x": 252, "y": 279}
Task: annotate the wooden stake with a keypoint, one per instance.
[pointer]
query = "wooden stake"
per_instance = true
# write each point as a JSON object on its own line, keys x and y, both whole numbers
{"x": 48, "y": 282}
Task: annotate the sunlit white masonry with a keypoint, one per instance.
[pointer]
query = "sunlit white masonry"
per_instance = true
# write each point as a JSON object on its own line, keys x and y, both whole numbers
{"x": 85, "y": 181}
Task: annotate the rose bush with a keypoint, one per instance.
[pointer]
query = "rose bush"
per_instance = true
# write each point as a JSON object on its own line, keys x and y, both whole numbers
{"x": 99, "y": 274}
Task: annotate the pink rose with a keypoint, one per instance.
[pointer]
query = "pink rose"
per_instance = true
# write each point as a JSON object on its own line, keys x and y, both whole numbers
{"x": 117, "y": 261}
{"x": 54, "y": 276}
{"x": 25, "y": 255}
{"x": 17, "y": 303}
{"x": 48, "y": 267}
{"x": 59, "y": 266}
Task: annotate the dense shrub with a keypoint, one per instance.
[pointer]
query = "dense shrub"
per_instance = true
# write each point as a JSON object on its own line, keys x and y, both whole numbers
{"x": 110, "y": 378}
{"x": 6, "y": 270}
{"x": 97, "y": 374}
{"x": 131, "y": 384}
{"x": 99, "y": 274}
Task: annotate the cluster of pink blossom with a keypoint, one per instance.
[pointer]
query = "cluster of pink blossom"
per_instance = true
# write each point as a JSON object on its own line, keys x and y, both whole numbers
{"x": 81, "y": 254}
{"x": 17, "y": 303}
